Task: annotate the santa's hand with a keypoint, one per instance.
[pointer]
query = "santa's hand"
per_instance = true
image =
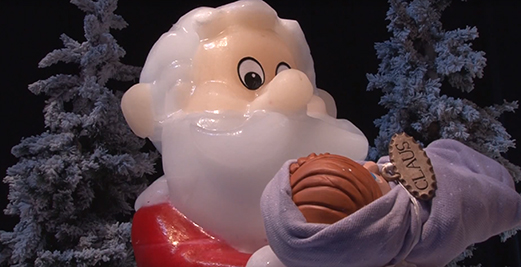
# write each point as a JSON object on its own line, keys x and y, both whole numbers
{"x": 264, "y": 257}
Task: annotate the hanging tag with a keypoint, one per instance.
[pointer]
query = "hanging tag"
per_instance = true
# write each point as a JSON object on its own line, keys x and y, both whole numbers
{"x": 412, "y": 167}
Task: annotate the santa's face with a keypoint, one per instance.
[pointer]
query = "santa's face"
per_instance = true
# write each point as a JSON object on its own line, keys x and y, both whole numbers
{"x": 246, "y": 116}
{"x": 233, "y": 69}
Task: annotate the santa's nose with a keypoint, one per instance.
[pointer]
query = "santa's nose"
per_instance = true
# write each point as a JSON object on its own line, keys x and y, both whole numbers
{"x": 288, "y": 92}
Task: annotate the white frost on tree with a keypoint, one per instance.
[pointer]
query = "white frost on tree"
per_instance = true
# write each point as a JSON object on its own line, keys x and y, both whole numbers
{"x": 75, "y": 183}
{"x": 419, "y": 57}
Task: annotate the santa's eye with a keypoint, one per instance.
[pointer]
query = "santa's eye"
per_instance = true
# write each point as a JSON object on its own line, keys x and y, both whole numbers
{"x": 251, "y": 73}
{"x": 282, "y": 67}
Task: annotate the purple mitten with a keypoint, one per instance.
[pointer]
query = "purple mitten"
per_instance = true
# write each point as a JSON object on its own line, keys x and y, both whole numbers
{"x": 475, "y": 200}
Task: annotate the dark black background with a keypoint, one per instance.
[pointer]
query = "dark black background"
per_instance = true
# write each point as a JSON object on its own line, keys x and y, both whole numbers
{"x": 341, "y": 35}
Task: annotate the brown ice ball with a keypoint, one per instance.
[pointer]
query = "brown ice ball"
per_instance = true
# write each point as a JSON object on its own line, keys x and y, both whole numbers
{"x": 327, "y": 187}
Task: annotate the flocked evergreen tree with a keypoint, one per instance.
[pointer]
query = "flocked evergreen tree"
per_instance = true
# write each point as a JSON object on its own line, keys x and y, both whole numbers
{"x": 421, "y": 56}
{"x": 417, "y": 59}
{"x": 74, "y": 184}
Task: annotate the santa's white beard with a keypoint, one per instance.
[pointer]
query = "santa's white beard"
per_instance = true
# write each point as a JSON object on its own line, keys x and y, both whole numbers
{"x": 217, "y": 165}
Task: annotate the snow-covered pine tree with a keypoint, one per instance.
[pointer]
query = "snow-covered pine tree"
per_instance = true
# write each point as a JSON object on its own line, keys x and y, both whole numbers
{"x": 419, "y": 57}
{"x": 74, "y": 184}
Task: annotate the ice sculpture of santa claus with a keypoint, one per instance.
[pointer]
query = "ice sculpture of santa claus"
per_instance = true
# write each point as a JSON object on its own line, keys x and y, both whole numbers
{"x": 227, "y": 95}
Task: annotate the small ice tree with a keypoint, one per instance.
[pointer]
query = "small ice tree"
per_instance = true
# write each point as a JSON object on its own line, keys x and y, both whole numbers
{"x": 420, "y": 57}
{"x": 417, "y": 59}
{"x": 74, "y": 184}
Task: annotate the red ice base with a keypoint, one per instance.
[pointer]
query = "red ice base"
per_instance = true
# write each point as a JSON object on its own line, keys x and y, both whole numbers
{"x": 162, "y": 237}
